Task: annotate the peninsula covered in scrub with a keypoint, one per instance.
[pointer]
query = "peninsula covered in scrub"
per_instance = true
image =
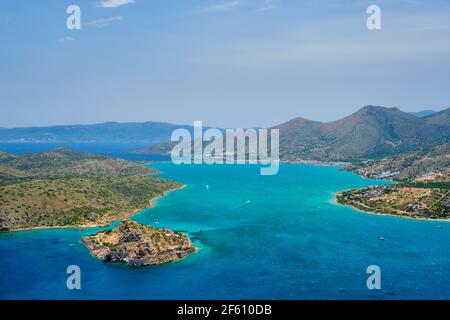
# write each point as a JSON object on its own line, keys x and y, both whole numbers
{"x": 400, "y": 200}
{"x": 63, "y": 188}
{"x": 421, "y": 191}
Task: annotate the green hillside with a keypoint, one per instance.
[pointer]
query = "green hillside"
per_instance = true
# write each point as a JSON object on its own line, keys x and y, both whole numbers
{"x": 66, "y": 188}
{"x": 66, "y": 163}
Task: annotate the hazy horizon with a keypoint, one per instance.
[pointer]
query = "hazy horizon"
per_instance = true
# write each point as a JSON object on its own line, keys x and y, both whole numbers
{"x": 205, "y": 124}
{"x": 230, "y": 63}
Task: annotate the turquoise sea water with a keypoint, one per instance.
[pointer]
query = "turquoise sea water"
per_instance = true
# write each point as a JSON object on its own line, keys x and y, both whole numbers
{"x": 259, "y": 237}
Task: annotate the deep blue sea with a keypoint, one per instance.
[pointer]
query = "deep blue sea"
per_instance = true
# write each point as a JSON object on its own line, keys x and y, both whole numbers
{"x": 120, "y": 150}
{"x": 259, "y": 237}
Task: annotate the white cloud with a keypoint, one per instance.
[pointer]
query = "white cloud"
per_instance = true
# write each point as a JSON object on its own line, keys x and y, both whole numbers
{"x": 114, "y": 3}
{"x": 100, "y": 23}
{"x": 225, "y": 6}
{"x": 228, "y": 5}
{"x": 66, "y": 39}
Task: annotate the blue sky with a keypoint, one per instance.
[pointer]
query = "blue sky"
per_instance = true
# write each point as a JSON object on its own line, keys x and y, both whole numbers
{"x": 227, "y": 62}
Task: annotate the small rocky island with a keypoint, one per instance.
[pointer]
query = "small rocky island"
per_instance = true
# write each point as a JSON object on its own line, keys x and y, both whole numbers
{"x": 138, "y": 245}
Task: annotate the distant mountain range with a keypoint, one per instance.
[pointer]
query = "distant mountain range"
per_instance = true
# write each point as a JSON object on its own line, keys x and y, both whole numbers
{"x": 424, "y": 113}
{"x": 372, "y": 132}
{"x": 109, "y": 132}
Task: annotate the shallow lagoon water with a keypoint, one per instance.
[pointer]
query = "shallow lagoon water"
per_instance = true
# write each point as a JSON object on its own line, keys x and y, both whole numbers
{"x": 259, "y": 237}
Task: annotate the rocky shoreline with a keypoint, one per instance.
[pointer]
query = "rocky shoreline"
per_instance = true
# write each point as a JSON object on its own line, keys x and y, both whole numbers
{"x": 138, "y": 245}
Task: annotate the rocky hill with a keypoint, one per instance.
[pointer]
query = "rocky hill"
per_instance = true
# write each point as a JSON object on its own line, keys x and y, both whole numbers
{"x": 423, "y": 113}
{"x": 164, "y": 148}
{"x": 138, "y": 245}
{"x": 431, "y": 164}
{"x": 371, "y": 132}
